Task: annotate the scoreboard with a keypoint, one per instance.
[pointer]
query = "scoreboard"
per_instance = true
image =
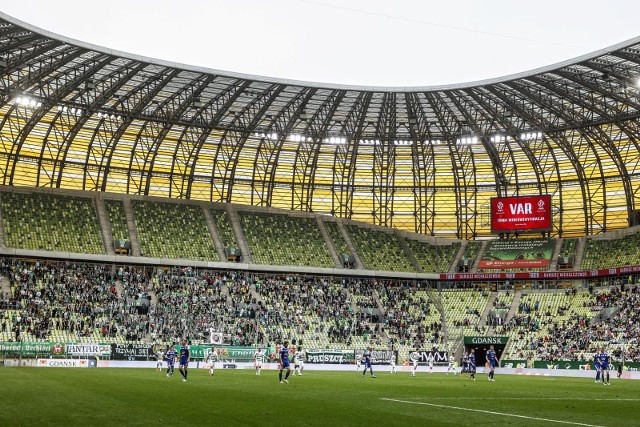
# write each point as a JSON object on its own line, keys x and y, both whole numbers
{"x": 525, "y": 214}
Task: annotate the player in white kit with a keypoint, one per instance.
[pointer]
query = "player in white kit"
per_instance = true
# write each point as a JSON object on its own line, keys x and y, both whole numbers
{"x": 358, "y": 362}
{"x": 212, "y": 358}
{"x": 258, "y": 360}
{"x": 392, "y": 362}
{"x": 298, "y": 361}
{"x": 160, "y": 359}
{"x": 415, "y": 365}
{"x": 431, "y": 359}
{"x": 451, "y": 366}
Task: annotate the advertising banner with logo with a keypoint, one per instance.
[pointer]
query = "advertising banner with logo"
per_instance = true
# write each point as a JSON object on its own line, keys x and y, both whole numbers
{"x": 25, "y": 348}
{"x": 581, "y": 365}
{"x": 330, "y": 356}
{"x": 224, "y": 352}
{"x": 486, "y": 340}
{"x": 63, "y": 363}
{"x": 88, "y": 349}
{"x": 518, "y": 253}
{"x": 380, "y": 357}
{"x": 521, "y": 214}
{"x": 132, "y": 352}
{"x": 516, "y": 364}
{"x": 423, "y": 356}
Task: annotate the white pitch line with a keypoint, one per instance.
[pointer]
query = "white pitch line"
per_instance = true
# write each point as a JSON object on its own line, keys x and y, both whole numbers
{"x": 504, "y": 414}
{"x": 604, "y": 399}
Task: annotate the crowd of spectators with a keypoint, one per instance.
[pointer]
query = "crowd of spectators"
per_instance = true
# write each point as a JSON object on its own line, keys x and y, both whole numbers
{"x": 411, "y": 319}
{"x": 69, "y": 299}
{"x": 191, "y": 304}
{"x": 295, "y": 307}
{"x": 128, "y": 303}
{"x": 540, "y": 336}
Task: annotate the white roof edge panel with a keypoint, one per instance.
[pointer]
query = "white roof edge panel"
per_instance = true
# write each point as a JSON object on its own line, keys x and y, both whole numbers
{"x": 291, "y": 82}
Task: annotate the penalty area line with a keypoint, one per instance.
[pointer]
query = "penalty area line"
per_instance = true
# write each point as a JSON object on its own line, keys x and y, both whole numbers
{"x": 503, "y": 414}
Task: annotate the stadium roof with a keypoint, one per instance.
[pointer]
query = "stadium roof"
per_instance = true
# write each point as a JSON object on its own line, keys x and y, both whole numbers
{"x": 427, "y": 159}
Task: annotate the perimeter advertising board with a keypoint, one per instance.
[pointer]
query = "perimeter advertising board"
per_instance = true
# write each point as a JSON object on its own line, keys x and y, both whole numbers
{"x": 132, "y": 351}
{"x": 379, "y": 357}
{"x": 423, "y": 356}
{"x": 323, "y": 355}
{"x": 525, "y": 214}
{"x": 518, "y": 253}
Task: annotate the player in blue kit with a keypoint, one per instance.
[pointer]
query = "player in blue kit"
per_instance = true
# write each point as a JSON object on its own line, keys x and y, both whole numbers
{"x": 185, "y": 356}
{"x": 284, "y": 362}
{"x": 472, "y": 365}
{"x": 492, "y": 362}
{"x": 366, "y": 359}
{"x": 604, "y": 366}
{"x": 596, "y": 365}
{"x": 170, "y": 357}
{"x": 465, "y": 363}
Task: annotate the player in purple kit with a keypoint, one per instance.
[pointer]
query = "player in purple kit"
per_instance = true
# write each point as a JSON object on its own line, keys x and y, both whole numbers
{"x": 185, "y": 357}
{"x": 596, "y": 365}
{"x": 366, "y": 358}
{"x": 284, "y": 362}
{"x": 604, "y": 366}
{"x": 170, "y": 357}
{"x": 472, "y": 365}
{"x": 492, "y": 362}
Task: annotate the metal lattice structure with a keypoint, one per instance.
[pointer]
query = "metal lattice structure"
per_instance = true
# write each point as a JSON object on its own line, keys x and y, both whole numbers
{"x": 78, "y": 116}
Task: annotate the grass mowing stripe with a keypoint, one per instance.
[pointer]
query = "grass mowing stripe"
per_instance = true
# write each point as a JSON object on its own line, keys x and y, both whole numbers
{"x": 503, "y": 414}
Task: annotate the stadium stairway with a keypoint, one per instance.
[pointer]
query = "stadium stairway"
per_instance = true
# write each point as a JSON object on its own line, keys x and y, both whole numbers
{"x": 224, "y": 290}
{"x": 376, "y": 298}
{"x": 120, "y": 287}
{"x": 577, "y": 262}
{"x": 131, "y": 225}
{"x": 255, "y": 294}
{"x": 3, "y": 240}
{"x": 514, "y": 306}
{"x": 329, "y": 243}
{"x": 6, "y": 287}
{"x": 352, "y": 303}
{"x": 350, "y": 245}
{"x": 213, "y": 232}
{"x": 476, "y": 262}
{"x": 239, "y": 233}
{"x": 454, "y": 265}
{"x": 554, "y": 258}
{"x": 487, "y": 310}
{"x": 153, "y": 296}
{"x": 408, "y": 253}
{"x": 105, "y": 225}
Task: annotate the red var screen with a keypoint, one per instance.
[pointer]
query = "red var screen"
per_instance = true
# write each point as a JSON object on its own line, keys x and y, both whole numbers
{"x": 522, "y": 214}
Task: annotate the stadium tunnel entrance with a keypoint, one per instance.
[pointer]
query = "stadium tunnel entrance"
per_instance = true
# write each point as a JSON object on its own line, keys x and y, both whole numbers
{"x": 481, "y": 346}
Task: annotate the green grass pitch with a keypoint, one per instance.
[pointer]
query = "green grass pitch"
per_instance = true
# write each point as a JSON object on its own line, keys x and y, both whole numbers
{"x": 143, "y": 397}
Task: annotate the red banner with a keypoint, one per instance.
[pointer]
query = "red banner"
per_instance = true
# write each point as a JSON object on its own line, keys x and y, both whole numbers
{"x": 544, "y": 274}
{"x": 521, "y": 214}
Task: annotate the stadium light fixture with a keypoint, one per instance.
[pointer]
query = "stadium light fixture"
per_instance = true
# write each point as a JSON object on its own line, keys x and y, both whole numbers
{"x": 467, "y": 140}
{"x": 335, "y": 140}
{"x": 530, "y": 136}
{"x": 26, "y": 101}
